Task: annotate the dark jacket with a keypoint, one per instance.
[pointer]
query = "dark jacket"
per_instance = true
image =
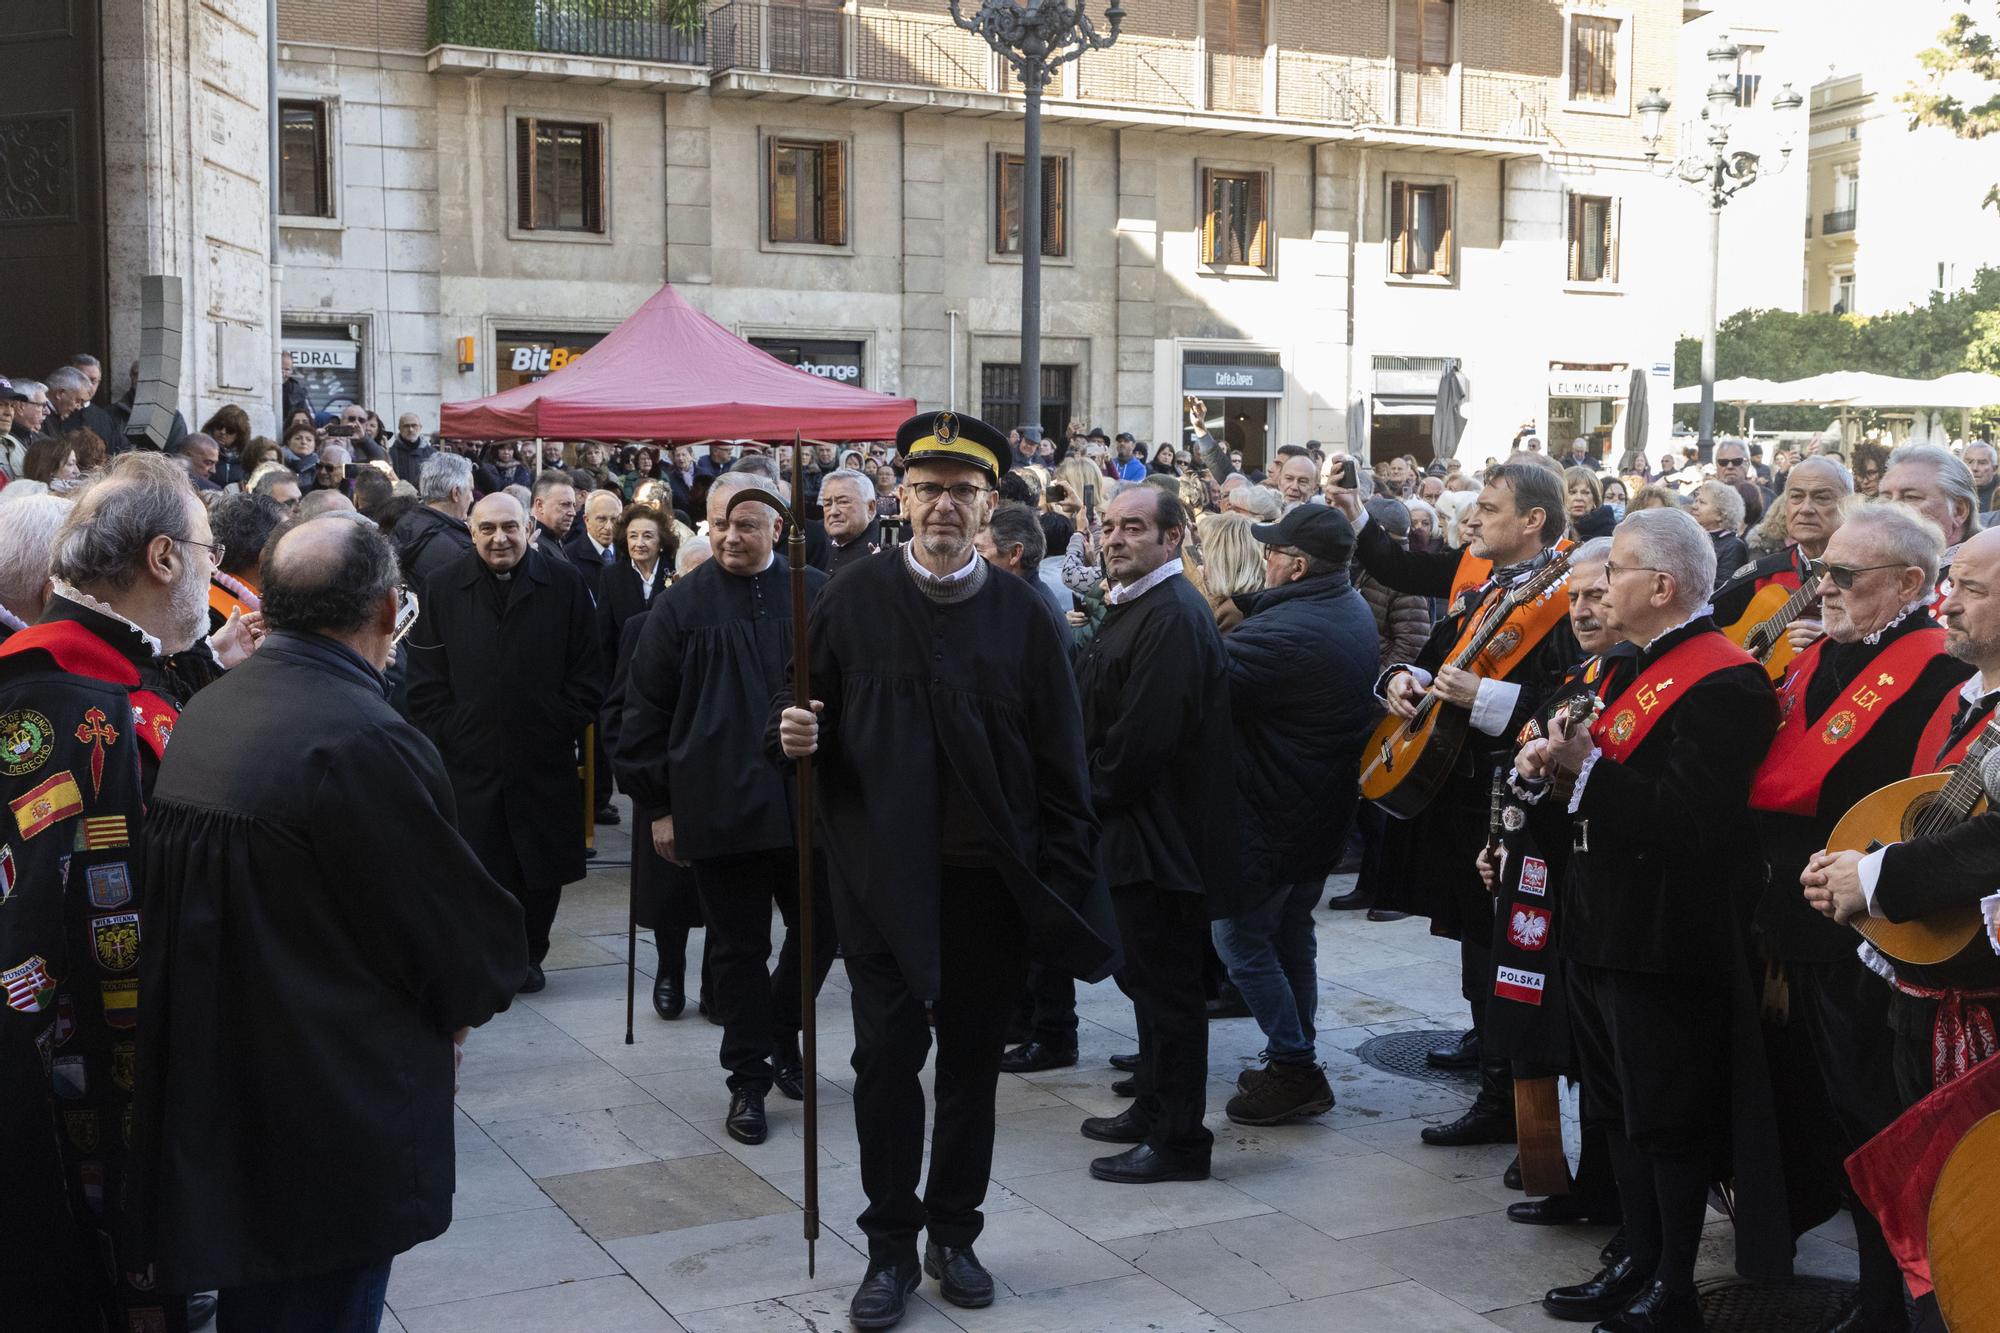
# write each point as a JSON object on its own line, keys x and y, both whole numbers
{"x": 833, "y": 557}
{"x": 583, "y": 553}
{"x": 684, "y": 489}
{"x": 88, "y": 417}
{"x": 1402, "y": 620}
{"x": 713, "y": 654}
{"x": 504, "y": 677}
{"x": 1733, "y": 596}
{"x": 292, "y": 397}
{"x": 427, "y": 541}
{"x": 1301, "y": 666}
{"x": 1155, "y": 692}
{"x": 409, "y": 460}
{"x": 492, "y": 478}
{"x": 1731, "y": 554}
{"x": 621, "y": 596}
{"x": 317, "y": 1131}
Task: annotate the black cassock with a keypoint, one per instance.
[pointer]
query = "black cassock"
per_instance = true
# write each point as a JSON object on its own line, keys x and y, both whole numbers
{"x": 316, "y": 933}
{"x": 663, "y": 896}
{"x": 504, "y": 676}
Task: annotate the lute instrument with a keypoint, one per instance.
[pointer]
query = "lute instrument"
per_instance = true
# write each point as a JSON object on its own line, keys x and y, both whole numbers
{"x": 1915, "y": 808}
{"x": 1407, "y": 761}
{"x": 1762, "y": 629}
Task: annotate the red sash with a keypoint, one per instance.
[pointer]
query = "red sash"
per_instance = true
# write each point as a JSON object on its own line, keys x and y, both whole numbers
{"x": 1654, "y": 691}
{"x": 1928, "y": 759}
{"x": 1805, "y": 752}
{"x": 78, "y": 651}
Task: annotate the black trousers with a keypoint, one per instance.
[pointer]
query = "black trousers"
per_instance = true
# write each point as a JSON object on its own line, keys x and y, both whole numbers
{"x": 1844, "y": 1010}
{"x": 982, "y": 948}
{"x": 1048, "y": 1006}
{"x": 759, "y": 1006}
{"x": 1163, "y": 934}
{"x": 538, "y": 913}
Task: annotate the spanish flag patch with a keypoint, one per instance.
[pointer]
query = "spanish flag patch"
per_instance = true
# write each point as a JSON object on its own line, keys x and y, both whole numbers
{"x": 55, "y": 799}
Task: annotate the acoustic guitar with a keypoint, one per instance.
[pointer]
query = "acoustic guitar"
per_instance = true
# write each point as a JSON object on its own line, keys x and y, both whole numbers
{"x": 1915, "y": 808}
{"x": 1761, "y": 630}
{"x": 1407, "y": 761}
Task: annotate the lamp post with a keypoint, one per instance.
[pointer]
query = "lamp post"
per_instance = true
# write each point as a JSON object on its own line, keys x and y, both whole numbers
{"x": 1722, "y": 173}
{"x": 1036, "y": 38}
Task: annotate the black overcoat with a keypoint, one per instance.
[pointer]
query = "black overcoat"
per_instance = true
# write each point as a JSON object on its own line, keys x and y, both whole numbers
{"x": 1155, "y": 691}
{"x": 663, "y": 894}
{"x": 621, "y": 595}
{"x": 983, "y": 686}
{"x": 504, "y": 694}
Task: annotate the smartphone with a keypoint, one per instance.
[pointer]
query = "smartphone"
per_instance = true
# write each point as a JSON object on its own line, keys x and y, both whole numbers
{"x": 1350, "y": 474}
{"x": 340, "y": 432}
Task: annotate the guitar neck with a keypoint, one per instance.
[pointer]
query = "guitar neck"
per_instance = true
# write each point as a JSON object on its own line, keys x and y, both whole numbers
{"x": 1963, "y": 789}
{"x": 1765, "y": 636}
{"x": 1549, "y": 575}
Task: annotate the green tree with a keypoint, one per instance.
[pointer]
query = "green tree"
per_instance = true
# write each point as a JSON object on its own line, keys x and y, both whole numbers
{"x": 1964, "y": 60}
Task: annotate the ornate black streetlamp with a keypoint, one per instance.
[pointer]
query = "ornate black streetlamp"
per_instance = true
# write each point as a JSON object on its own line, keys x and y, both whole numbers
{"x": 1036, "y": 37}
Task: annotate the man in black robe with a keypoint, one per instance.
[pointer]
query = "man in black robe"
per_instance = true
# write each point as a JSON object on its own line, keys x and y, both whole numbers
{"x": 847, "y": 509}
{"x": 504, "y": 676}
{"x": 286, "y": 1167}
{"x": 716, "y": 649}
{"x": 955, "y": 808}
{"x": 1156, "y": 726}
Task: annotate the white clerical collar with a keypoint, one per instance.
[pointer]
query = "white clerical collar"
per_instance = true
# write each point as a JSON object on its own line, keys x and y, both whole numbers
{"x": 84, "y": 599}
{"x": 1121, "y": 593}
{"x": 1704, "y": 610}
{"x": 962, "y": 572}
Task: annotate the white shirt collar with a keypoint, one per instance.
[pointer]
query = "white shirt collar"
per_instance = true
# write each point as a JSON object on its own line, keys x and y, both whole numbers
{"x": 962, "y": 572}
{"x": 1704, "y": 610}
{"x": 84, "y": 599}
{"x": 1119, "y": 594}
{"x": 1974, "y": 688}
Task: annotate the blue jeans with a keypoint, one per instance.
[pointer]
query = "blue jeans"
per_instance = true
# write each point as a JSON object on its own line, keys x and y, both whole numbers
{"x": 347, "y": 1301}
{"x": 1270, "y": 952}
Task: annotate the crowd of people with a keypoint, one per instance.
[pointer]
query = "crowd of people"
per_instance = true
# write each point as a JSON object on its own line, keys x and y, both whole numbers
{"x": 1081, "y": 709}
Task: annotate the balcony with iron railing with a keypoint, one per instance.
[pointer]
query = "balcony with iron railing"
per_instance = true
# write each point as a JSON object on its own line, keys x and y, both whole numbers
{"x": 1838, "y": 221}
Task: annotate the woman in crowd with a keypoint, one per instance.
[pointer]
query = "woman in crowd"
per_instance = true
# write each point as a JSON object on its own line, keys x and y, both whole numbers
{"x": 1231, "y": 559}
{"x": 261, "y": 450}
{"x": 297, "y": 419}
{"x": 1583, "y": 491}
{"x": 301, "y": 452}
{"x": 1423, "y": 525}
{"x": 52, "y": 462}
{"x": 1451, "y": 505}
{"x": 643, "y": 548}
{"x": 1718, "y": 509}
{"x": 1163, "y": 461}
{"x": 641, "y": 466}
{"x": 1871, "y": 460}
{"x": 502, "y": 467}
{"x": 887, "y": 503}
{"x": 230, "y": 429}
{"x": 1617, "y": 494}
{"x": 91, "y": 451}
{"x": 1654, "y": 496}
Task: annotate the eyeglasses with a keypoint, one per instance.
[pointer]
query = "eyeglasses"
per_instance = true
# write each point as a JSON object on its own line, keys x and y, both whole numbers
{"x": 1843, "y": 576}
{"x": 964, "y": 495}
{"x": 214, "y": 549}
{"x": 1612, "y": 571}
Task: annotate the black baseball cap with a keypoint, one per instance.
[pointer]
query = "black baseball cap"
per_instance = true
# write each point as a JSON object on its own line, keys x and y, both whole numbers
{"x": 1319, "y": 530}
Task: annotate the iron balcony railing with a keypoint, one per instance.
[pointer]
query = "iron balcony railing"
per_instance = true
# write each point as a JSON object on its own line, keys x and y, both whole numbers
{"x": 1841, "y": 219}
{"x": 613, "y": 29}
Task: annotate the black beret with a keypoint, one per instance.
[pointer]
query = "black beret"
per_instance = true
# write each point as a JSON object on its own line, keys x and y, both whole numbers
{"x": 940, "y": 436}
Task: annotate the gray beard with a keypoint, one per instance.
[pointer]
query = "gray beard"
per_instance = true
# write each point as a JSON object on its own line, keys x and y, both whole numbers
{"x": 190, "y": 609}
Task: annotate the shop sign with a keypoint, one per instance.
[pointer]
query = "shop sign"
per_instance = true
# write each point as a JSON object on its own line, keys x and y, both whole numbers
{"x": 1264, "y": 381}
{"x": 1587, "y": 383}
{"x": 833, "y": 360}
{"x": 321, "y": 354}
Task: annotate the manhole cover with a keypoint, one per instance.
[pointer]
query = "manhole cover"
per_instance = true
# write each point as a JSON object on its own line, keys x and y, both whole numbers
{"x": 1797, "y": 1305}
{"x": 1403, "y": 1053}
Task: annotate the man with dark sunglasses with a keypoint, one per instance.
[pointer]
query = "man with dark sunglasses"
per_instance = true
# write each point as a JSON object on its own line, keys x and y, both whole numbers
{"x": 1812, "y": 499}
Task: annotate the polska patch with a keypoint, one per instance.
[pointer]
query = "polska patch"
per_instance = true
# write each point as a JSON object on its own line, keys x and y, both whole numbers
{"x": 1529, "y": 929}
{"x": 26, "y": 742}
{"x": 110, "y": 885}
{"x": 1534, "y": 876}
{"x": 1838, "y": 727}
{"x": 90, "y": 1175}
{"x": 1511, "y": 983}
{"x": 28, "y": 985}
{"x": 116, "y": 940}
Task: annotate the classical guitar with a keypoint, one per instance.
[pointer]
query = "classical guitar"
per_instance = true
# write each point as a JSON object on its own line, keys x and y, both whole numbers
{"x": 1915, "y": 808}
{"x": 1761, "y": 630}
{"x": 1407, "y": 760}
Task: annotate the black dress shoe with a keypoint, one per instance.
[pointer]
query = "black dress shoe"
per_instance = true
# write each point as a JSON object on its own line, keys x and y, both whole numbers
{"x": 878, "y": 1302}
{"x": 670, "y": 995}
{"x": 1615, "y": 1248}
{"x": 1125, "y": 1127}
{"x": 1034, "y": 1056}
{"x": 1126, "y": 1087}
{"x": 536, "y": 980}
{"x": 1354, "y": 900}
{"x": 1511, "y": 1177}
{"x": 1143, "y": 1166}
{"x": 746, "y": 1122}
{"x": 1384, "y": 914}
{"x": 606, "y": 814}
{"x": 1605, "y": 1294}
{"x": 1560, "y": 1210}
{"x": 1854, "y": 1317}
{"x": 1479, "y": 1125}
{"x": 788, "y": 1071}
{"x": 1460, "y": 1054}
{"x": 1663, "y": 1307}
{"x": 961, "y": 1278}
{"x": 201, "y": 1309}
{"x": 1128, "y": 1063}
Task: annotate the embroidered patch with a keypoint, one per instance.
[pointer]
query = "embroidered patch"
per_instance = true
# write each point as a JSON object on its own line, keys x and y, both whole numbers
{"x": 81, "y": 1126}
{"x": 102, "y": 833}
{"x": 121, "y": 1002}
{"x": 1529, "y": 929}
{"x": 1511, "y": 983}
{"x": 65, "y": 1019}
{"x": 945, "y": 426}
{"x": 110, "y": 884}
{"x": 7, "y": 872}
{"x": 1534, "y": 876}
{"x": 116, "y": 940}
{"x": 71, "y": 1082}
{"x": 124, "y": 1060}
{"x": 1505, "y": 642}
{"x": 28, "y": 985}
{"x": 97, "y": 732}
{"x": 26, "y": 742}
{"x": 56, "y": 799}
{"x": 91, "y": 1176}
{"x": 1838, "y": 727}
{"x": 1513, "y": 818}
{"x": 1622, "y": 726}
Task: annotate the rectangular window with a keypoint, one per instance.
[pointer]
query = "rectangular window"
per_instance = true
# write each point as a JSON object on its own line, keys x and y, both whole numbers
{"x": 806, "y": 189}
{"x": 1593, "y": 58}
{"x": 1423, "y": 33}
{"x": 1000, "y": 396}
{"x": 1593, "y": 238}
{"x": 1235, "y": 223}
{"x": 1420, "y": 243}
{"x": 1749, "y": 75}
{"x": 558, "y": 176}
{"x": 304, "y": 177}
{"x": 1007, "y": 200}
{"x": 1234, "y": 34}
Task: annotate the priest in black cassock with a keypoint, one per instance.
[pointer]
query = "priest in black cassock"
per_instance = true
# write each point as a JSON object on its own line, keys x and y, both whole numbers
{"x": 318, "y": 941}
{"x": 954, "y": 805}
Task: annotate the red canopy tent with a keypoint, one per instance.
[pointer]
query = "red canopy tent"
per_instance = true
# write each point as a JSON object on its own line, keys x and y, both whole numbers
{"x": 671, "y": 373}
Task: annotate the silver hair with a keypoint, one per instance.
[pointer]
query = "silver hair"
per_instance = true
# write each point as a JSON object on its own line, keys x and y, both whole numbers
{"x": 270, "y": 476}
{"x": 1265, "y": 505}
{"x": 326, "y": 455}
{"x": 1593, "y": 552}
{"x": 103, "y": 539}
{"x": 746, "y": 480}
{"x": 1670, "y": 541}
{"x": 1903, "y": 535}
{"x": 29, "y": 386}
{"x": 441, "y": 475}
{"x": 691, "y": 553}
{"x": 68, "y": 379}
{"x": 1970, "y": 445}
{"x": 1832, "y": 465}
{"x": 26, "y": 536}
{"x": 1954, "y": 478}
{"x": 764, "y": 466}
{"x": 861, "y": 481}
{"x": 1727, "y": 500}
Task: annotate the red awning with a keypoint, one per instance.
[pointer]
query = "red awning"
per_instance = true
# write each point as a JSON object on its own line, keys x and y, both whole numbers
{"x": 671, "y": 373}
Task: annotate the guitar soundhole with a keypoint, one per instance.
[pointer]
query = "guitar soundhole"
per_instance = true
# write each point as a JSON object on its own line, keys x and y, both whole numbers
{"x": 1915, "y": 812}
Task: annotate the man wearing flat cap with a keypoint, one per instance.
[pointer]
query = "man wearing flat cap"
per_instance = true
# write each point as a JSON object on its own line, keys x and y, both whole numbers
{"x": 956, "y": 816}
{"x": 1300, "y": 667}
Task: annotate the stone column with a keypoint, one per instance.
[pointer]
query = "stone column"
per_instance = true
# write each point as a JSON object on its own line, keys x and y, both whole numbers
{"x": 925, "y": 330}
{"x": 1138, "y": 279}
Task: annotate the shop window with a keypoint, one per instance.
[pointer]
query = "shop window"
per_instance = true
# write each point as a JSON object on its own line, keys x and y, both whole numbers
{"x": 305, "y": 161}
{"x": 1000, "y": 396}
{"x": 1007, "y": 205}
{"x": 558, "y": 176}
{"x": 1595, "y": 42}
{"x": 805, "y": 188}
{"x": 1423, "y": 33}
{"x": 1420, "y": 233}
{"x": 1235, "y": 222}
{"x": 1593, "y": 239}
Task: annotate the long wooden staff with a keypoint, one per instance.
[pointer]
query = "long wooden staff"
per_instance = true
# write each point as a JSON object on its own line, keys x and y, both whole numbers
{"x": 795, "y": 555}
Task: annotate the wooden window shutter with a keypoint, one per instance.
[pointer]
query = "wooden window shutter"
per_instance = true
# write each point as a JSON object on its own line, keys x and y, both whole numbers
{"x": 524, "y": 173}
{"x": 1613, "y": 226}
{"x": 833, "y": 193}
{"x": 1409, "y": 32}
{"x": 1000, "y": 203}
{"x": 1055, "y": 206}
{"x": 593, "y": 178}
{"x": 1207, "y": 217}
{"x": 1573, "y": 234}
{"x": 771, "y": 190}
{"x": 1441, "y": 265}
{"x": 1249, "y": 27}
{"x": 1437, "y": 32}
{"x": 1259, "y": 224}
{"x": 1399, "y": 229}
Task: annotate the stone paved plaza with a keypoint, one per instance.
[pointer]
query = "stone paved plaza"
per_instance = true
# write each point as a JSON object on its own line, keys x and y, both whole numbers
{"x": 598, "y": 1192}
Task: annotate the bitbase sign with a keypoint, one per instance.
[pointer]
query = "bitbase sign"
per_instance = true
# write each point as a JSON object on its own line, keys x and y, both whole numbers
{"x": 522, "y": 358}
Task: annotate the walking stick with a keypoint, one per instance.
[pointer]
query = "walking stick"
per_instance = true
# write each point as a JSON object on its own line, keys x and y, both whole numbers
{"x": 795, "y": 555}
{"x": 631, "y": 951}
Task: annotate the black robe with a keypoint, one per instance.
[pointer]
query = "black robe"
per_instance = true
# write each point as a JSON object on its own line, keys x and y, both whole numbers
{"x": 503, "y": 678}
{"x": 1155, "y": 692}
{"x": 318, "y": 931}
{"x": 663, "y": 894}
{"x": 834, "y": 557}
{"x": 919, "y": 694}
{"x": 714, "y": 653}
